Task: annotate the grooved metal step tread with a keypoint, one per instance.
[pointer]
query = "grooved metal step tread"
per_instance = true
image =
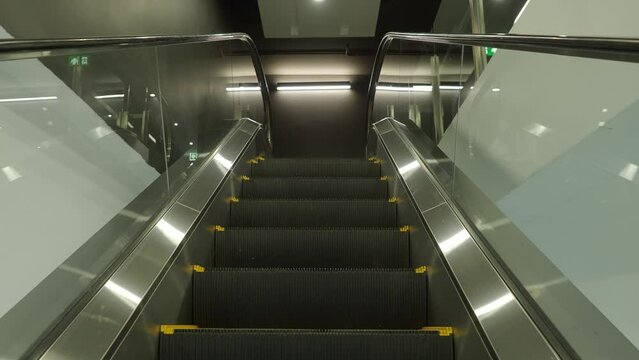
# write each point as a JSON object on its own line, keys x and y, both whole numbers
{"x": 312, "y": 248}
{"x": 310, "y": 298}
{"x": 295, "y": 344}
{"x": 320, "y": 188}
{"x": 316, "y": 168}
{"x": 313, "y": 213}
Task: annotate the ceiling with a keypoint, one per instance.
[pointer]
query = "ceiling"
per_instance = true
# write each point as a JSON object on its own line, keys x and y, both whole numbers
{"x": 318, "y": 18}
{"x": 327, "y": 26}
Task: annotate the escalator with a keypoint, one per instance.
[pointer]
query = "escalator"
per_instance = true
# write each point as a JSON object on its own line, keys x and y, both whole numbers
{"x": 313, "y": 265}
{"x": 209, "y": 245}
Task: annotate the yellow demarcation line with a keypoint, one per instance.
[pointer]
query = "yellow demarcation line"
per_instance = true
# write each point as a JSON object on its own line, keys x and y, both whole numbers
{"x": 245, "y": 178}
{"x": 421, "y": 270}
{"x": 384, "y": 178}
{"x": 234, "y": 199}
{"x": 170, "y": 329}
{"x": 394, "y": 199}
{"x": 443, "y": 330}
{"x": 198, "y": 268}
{"x": 404, "y": 228}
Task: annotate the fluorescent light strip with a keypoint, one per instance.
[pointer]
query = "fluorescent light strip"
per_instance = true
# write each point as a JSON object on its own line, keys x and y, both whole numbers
{"x": 114, "y": 96}
{"x": 243, "y": 88}
{"x": 37, "y": 98}
{"x": 313, "y": 87}
{"x": 417, "y": 88}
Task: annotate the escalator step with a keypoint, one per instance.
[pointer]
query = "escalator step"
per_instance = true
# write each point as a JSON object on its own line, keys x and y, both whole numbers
{"x": 311, "y": 248}
{"x": 310, "y": 298}
{"x": 315, "y": 188}
{"x": 313, "y": 213}
{"x": 316, "y": 167}
{"x": 204, "y": 344}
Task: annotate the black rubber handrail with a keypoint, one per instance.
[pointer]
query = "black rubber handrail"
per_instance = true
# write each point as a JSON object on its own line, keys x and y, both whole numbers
{"x": 11, "y": 49}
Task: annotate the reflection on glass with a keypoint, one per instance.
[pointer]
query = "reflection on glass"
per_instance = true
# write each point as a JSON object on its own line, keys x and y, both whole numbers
{"x": 543, "y": 164}
{"x": 92, "y": 145}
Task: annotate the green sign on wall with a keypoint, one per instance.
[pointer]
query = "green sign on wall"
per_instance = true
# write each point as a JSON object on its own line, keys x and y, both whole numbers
{"x": 491, "y": 51}
{"x": 78, "y": 60}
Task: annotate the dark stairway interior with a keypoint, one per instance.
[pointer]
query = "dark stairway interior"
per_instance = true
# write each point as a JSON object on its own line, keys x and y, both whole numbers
{"x": 314, "y": 265}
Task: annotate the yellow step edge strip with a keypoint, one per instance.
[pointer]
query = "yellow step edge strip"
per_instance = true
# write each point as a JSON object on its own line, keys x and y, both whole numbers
{"x": 215, "y": 228}
{"x": 253, "y": 162}
{"x": 384, "y": 178}
{"x": 443, "y": 330}
{"x": 198, "y": 268}
{"x": 404, "y": 228}
{"x": 245, "y": 178}
{"x": 421, "y": 270}
{"x": 233, "y": 199}
{"x": 393, "y": 200}
{"x": 170, "y": 329}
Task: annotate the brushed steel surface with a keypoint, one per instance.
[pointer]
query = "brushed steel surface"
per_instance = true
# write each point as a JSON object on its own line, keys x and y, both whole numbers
{"x": 92, "y": 333}
{"x": 171, "y": 300}
{"x": 507, "y": 326}
{"x": 218, "y": 165}
{"x": 409, "y": 167}
{"x": 445, "y": 303}
{"x": 498, "y": 313}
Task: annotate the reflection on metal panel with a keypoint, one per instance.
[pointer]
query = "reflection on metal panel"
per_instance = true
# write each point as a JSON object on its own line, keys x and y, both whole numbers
{"x": 509, "y": 329}
{"x": 92, "y": 333}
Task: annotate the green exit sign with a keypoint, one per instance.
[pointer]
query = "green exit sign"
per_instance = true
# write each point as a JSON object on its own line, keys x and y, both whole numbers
{"x": 78, "y": 60}
{"x": 193, "y": 156}
{"x": 491, "y": 51}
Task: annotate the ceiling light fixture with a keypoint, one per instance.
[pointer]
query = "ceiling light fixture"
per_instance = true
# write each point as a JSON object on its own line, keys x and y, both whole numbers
{"x": 414, "y": 88}
{"x": 113, "y": 96}
{"x": 37, "y": 98}
{"x": 324, "y": 86}
{"x": 243, "y": 87}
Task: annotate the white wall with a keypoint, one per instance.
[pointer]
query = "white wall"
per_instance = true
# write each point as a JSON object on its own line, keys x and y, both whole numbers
{"x": 557, "y": 149}
{"x": 63, "y": 175}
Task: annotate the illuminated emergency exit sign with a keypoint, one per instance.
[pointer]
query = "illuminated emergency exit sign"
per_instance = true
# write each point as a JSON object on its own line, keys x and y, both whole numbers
{"x": 78, "y": 60}
{"x": 491, "y": 51}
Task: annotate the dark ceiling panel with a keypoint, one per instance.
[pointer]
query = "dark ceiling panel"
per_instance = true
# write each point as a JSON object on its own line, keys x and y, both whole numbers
{"x": 406, "y": 16}
{"x": 394, "y": 15}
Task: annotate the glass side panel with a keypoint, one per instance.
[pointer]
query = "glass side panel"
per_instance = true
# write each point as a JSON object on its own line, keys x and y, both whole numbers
{"x": 92, "y": 146}
{"x": 420, "y": 86}
{"x": 206, "y": 89}
{"x": 546, "y": 161}
{"x": 538, "y": 152}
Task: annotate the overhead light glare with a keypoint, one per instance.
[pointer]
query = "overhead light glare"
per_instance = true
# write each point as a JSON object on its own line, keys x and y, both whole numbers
{"x": 36, "y": 98}
{"x": 239, "y": 88}
{"x": 521, "y": 12}
{"x": 112, "y": 96}
{"x": 313, "y": 86}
